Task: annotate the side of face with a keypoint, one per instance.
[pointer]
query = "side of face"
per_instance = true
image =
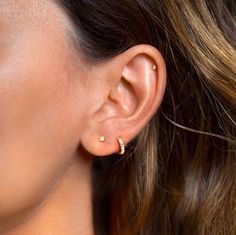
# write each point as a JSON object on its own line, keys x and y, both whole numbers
{"x": 53, "y": 102}
{"x": 42, "y": 103}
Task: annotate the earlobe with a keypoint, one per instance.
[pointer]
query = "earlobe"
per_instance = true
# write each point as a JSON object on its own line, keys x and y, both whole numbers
{"x": 120, "y": 141}
{"x": 135, "y": 93}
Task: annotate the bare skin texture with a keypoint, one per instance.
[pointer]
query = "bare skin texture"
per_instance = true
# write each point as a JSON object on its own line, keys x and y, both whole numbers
{"x": 47, "y": 118}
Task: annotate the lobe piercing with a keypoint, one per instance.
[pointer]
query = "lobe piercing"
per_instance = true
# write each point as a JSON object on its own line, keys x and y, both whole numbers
{"x": 122, "y": 146}
{"x": 102, "y": 138}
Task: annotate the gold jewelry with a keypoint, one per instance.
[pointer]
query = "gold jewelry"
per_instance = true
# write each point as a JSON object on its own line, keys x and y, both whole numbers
{"x": 122, "y": 146}
{"x": 154, "y": 67}
{"x": 102, "y": 138}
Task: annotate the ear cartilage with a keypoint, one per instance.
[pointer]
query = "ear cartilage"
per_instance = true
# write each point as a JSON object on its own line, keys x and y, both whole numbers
{"x": 154, "y": 67}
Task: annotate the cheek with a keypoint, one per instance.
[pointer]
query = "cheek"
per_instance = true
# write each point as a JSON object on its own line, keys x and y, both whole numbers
{"x": 39, "y": 131}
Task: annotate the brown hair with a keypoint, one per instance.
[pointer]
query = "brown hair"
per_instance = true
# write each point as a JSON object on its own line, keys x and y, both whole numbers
{"x": 178, "y": 175}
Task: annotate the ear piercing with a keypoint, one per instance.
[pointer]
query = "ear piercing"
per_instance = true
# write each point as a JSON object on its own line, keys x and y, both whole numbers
{"x": 102, "y": 138}
{"x": 154, "y": 67}
{"x": 122, "y": 146}
{"x": 120, "y": 142}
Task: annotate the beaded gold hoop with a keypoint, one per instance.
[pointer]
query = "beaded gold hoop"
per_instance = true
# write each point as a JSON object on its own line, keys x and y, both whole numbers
{"x": 122, "y": 145}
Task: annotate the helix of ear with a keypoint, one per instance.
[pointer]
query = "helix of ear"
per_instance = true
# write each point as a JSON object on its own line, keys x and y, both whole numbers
{"x": 119, "y": 139}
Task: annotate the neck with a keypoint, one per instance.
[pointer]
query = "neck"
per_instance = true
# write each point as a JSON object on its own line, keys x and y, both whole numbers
{"x": 68, "y": 207}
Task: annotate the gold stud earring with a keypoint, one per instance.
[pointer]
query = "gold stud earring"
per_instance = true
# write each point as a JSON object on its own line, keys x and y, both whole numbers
{"x": 122, "y": 145}
{"x": 154, "y": 67}
{"x": 102, "y": 138}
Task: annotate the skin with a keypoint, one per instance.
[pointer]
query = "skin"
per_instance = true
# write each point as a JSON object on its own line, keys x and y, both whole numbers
{"x": 50, "y": 126}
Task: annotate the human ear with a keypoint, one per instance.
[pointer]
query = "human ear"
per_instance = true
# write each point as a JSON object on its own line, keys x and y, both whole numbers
{"x": 132, "y": 92}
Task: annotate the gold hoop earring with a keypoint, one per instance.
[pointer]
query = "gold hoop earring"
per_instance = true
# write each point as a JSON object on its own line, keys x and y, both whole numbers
{"x": 122, "y": 145}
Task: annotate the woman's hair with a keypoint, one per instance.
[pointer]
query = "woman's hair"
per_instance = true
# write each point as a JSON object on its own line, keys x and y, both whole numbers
{"x": 178, "y": 175}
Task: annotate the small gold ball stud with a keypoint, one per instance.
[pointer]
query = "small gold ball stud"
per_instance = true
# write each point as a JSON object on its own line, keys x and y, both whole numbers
{"x": 102, "y": 138}
{"x": 154, "y": 67}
